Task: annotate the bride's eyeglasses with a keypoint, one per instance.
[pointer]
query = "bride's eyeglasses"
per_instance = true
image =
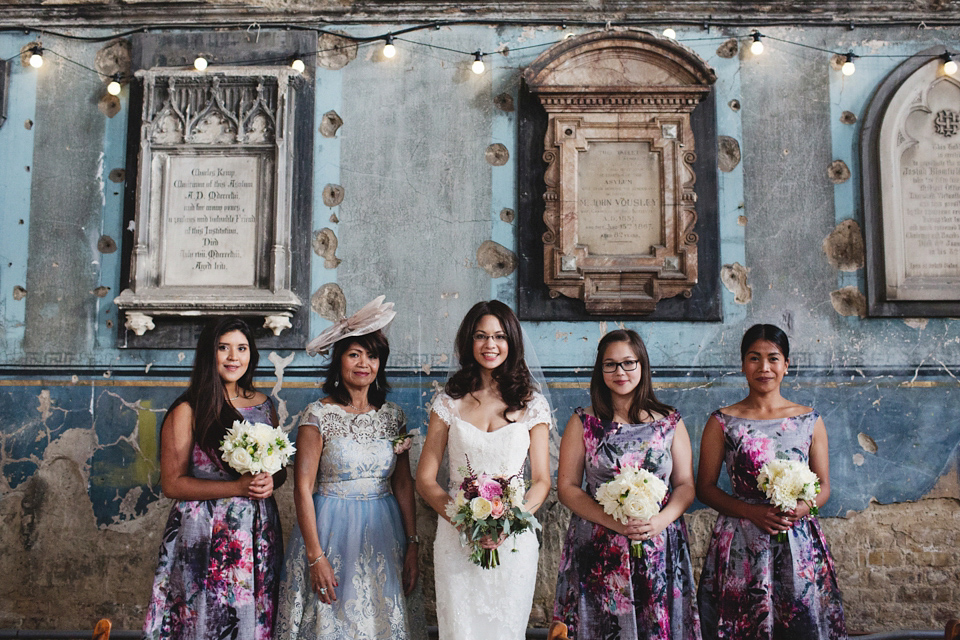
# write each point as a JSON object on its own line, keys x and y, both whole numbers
{"x": 626, "y": 365}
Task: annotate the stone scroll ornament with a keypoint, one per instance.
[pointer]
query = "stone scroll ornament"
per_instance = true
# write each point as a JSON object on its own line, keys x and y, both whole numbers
{"x": 620, "y": 207}
{"x": 214, "y": 188}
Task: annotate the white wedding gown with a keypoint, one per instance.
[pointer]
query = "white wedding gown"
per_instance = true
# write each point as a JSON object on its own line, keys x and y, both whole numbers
{"x": 475, "y": 603}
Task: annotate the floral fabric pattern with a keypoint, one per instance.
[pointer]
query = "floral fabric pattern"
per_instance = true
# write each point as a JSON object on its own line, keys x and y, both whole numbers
{"x": 753, "y": 587}
{"x": 361, "y": 530}
{"x": 602, "y": 592}
{"x": 219, "y": 565}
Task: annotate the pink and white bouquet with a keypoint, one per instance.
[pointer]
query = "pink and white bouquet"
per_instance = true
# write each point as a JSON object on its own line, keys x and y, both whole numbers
{"x": 786, "y": 482}
{"x": 633, "y": 493}
{"x": 254, "y": 447}
{"x": 487, "y": 506}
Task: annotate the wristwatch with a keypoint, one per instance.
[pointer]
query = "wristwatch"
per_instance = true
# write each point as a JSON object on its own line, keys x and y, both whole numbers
{"x": 413, "y": 539}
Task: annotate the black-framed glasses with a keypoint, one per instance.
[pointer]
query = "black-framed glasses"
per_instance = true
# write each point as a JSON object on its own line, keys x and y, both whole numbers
{"x": 626, "y": 365}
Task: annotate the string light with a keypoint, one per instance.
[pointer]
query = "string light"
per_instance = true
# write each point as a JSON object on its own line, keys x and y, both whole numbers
{"x": 670, "y": 33}
{"x": 388, "y": 49}
{"x": 848, "y": 68}
{"x": 298, "y": 66}
{"x": 756, "y": 47}
{"x": 478, "y": 66}
{"x": 36, "y": 56}
{"x": 949, "y": 66}
{"x": 200, "y": 63}
{"x": 114, "y": 87}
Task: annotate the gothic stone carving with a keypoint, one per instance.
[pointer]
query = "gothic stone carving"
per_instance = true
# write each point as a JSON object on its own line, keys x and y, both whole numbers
{"x": 620, "y": 204}
{"x": 213, "y": 195}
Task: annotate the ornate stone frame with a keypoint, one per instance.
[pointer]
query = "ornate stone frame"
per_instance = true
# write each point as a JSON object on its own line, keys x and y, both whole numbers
{"x": 881, "y": 228}
{"x": 620, "y": 86}
{"x": 231, "y": 112}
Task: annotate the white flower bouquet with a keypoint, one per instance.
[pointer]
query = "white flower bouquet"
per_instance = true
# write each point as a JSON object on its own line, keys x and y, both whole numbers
{"x": 489, "y": 505}
{"x": 785, "y": 483}
{"x": 254, "y": 447}
{"x": 632, "y": 493}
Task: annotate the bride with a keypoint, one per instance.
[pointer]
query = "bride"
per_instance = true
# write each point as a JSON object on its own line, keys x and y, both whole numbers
{"x": 488, "y": 416}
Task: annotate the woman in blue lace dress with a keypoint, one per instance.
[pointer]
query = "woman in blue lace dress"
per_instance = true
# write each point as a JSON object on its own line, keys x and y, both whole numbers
{"x": 222, "y": 548}
{"x": 603, "y": 592}
{"x": 753, "y": 586}
{"x": 352, "y": 559}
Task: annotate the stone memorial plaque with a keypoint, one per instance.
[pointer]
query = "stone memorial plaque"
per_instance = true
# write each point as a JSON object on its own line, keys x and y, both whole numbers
{"x": 920, "y": 188}
{"x": 618, "y": 203}
{"x": 210, "y": 221}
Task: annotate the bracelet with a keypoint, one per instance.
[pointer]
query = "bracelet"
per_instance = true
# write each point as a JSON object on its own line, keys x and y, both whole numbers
{"x": 316, "y": 560}
{"x": 413, "y": 539}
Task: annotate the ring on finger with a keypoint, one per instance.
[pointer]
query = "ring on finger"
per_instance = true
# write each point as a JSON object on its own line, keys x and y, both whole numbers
{"x": 323, "y": 590}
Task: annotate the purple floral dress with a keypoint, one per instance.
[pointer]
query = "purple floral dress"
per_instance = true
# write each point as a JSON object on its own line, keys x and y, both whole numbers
{"x": 753, "y": 587}
{"x": 219, "y": 566}
{"x": 603, "y": 593}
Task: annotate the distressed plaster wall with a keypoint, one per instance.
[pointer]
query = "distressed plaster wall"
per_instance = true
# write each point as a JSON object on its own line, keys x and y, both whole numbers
{"x": 79, "y": 497}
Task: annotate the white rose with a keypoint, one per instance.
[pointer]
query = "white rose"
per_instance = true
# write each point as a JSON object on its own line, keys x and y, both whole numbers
{"x": 240, "y": 460}
{"x": 481, "y": 508}
{"x": 460, "y": 499}
{"x": 271, "y": 463}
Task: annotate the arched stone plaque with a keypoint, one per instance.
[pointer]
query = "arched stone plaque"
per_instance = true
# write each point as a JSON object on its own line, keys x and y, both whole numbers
{"x": 620, "y": 203}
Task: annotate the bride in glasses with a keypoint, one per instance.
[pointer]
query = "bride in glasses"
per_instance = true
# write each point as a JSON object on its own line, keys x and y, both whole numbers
{"x": 602, "y": 590}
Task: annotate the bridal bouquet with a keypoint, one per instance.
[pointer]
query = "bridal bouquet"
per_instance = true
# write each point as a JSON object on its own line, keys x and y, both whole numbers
{"x": 785, "y": 482}
{"x": 632, "y": 493}
{"x": 489, "y": 505}
{"x": 256, "y": 447}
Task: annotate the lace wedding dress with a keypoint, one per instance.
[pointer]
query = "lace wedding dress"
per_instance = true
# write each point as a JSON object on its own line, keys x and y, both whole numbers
{"x": 475, "y": 603}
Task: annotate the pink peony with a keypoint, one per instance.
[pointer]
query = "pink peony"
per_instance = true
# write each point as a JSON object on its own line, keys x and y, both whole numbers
{"x": 489, "y": 487}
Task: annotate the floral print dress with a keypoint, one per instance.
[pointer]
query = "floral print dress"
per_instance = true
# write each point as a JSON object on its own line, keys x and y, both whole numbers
{"x": 753, "y": 587}
{"x": 219, "y": 567}
{"x": 603, "y": 593}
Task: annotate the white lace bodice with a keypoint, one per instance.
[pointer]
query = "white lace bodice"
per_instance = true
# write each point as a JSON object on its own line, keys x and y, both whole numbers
{"x": 501, "y": 452}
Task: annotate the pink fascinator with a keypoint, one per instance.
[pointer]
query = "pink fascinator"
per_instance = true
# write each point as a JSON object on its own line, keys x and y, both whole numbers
{"x": 374, "y": 315}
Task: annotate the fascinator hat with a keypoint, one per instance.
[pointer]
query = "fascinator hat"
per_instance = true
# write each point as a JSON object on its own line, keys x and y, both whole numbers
{"x": 374, "y": 315}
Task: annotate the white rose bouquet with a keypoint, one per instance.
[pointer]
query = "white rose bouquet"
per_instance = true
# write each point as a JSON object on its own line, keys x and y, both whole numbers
{"x": 786, "y": 482}
{"x": 489, "y": 505}
{"x": 256, "y": 447}
{"x": 632, "y": 493}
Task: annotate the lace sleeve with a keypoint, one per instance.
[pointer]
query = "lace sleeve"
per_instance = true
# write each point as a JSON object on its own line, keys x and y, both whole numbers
{"x": 442, "y": 405}
{"x": 311, "y": 415}
{"x": 538, "y": 412}
{"x": 396, "y": 420}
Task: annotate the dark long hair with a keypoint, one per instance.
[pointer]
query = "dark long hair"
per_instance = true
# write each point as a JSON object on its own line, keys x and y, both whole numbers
{"x": 769, "y": 332}
{"x": 376, "y": 343}
{"x": 644, "y": 399}
{"x": 212, "y": 414}
{"x": 512, "y": 377}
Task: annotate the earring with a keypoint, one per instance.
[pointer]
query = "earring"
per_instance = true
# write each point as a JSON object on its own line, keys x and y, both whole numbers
{"x": 376, "y": 385}
{"x": 336, "y": 382}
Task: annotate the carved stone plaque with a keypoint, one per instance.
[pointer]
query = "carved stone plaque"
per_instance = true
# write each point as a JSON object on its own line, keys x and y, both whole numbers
{"x": 620, "y": 204}
{"x": 619, "y": 198}
{"x": 213, "y": 214}
{"x": 213, "y": 239}
{"x": 912, "y": 191}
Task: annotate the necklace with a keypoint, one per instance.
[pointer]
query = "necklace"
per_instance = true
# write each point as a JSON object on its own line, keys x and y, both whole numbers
{"x": 358, "y": 409}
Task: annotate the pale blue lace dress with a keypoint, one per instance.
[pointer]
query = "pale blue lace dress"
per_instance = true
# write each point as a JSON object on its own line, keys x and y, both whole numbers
{"x": 360, "y": 529}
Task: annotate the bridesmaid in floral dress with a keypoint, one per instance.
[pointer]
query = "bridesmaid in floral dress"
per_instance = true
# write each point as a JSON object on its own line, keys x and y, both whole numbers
{"x": 219, "y": 566}
{"x": 753, "y": 587}
{"x": 603, "y": 593}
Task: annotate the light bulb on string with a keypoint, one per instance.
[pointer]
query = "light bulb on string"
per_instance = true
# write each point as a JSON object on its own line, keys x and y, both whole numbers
{"x": 669, "y": 33}
{"x": 200, "y": 63}
{"x": 114, "y": 87}
{"x": 478, "y": 67}
{"x": 848, "y": 68}
{"x": 949, "y": 66}
{"x": 298, "y": 66}
{"x": 756, "y": 47}
{"x": 36, "y": 57}
{"x": 389, "y": 50}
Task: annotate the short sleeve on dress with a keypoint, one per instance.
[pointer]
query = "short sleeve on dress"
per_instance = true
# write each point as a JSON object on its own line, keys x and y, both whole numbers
{"x": 312, "y": 414}
{"x": 538, "y": 412}
{"x": 395, "y": 417}
{"x": 442, "y": 405}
